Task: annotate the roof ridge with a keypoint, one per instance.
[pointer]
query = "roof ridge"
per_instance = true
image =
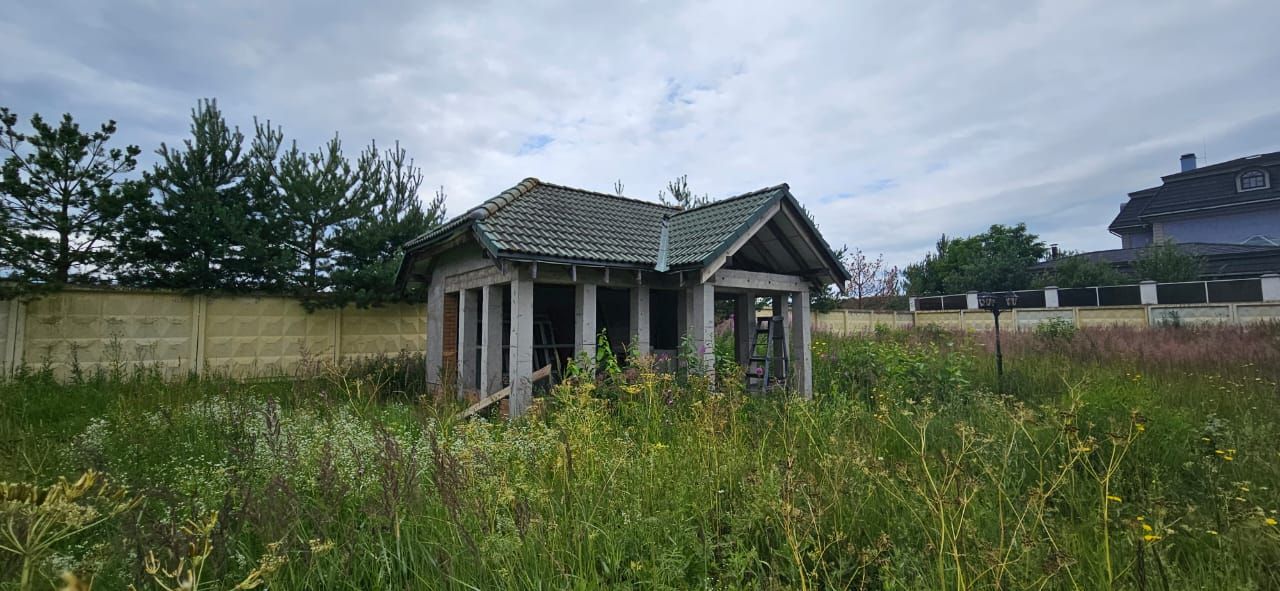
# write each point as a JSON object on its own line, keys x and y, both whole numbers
{"x": 493, "y": 204}
{"x": 612, "y": 196}
{"x": 782, "y": 186}
{"x": 1217, "y": 167}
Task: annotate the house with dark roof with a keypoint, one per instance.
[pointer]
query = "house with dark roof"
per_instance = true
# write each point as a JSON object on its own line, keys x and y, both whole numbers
{"x": 1233, "y": 202}
{"x": 1227, "y": 214}
{"x": 542, "y": 273}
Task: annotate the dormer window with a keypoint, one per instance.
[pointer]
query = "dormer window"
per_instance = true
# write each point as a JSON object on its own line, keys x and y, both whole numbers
{"x": 1250, "y": 180}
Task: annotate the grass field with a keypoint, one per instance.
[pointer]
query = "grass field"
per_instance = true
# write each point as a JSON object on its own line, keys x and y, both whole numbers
{"x": 1104, "y": 459}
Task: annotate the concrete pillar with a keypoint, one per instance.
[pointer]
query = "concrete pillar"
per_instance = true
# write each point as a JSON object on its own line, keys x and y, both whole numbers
{"x": 911, "y": 303}
{"x": 971, "y": 300}
{"x": 521, "y": 352}
{"x": 640, "y": 319}
{"x": 702, "y": 323}
{"x": 1271, "y": 287}
{"x": 584, "y": 321}
{"x": 801, "y": 378}
{"x": 744, "y": 325}
{"x": 1051, "y": 296}
{"x": 491, "y": 340}
{"x": 468, "y": 311}
{"x": 435, "y": 333}
{"x": 1147, "y": 290}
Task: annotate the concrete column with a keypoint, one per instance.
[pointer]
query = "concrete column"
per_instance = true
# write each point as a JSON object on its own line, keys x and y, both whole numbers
{"x": 911, "y": 303}
{"x": 468, "y": 310}
{"x": 491, "y": 340}
{"x": 435, "y": 333}
{"x": 1051, "y": 296}
{"x": 1148, "y": 292}
{"x": 701, "y": 323}
{"x": 521, "y": 353}
{"x": 640, "y": 319}
{"x": 584, "y": 321}
{"x": 1271, "y": 287}
{"x": 744, "y": 325}
{"x": 801, "y": 378}
{"x": 971, "y": 300}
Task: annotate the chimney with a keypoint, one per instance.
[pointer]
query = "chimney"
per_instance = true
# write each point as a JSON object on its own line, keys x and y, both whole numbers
{"x": 1054, "y": 253}
{"x": 1188, "y": 162}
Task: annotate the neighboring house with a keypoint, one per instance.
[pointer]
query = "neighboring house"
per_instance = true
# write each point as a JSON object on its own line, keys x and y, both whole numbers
{"x": 1228, "y": 214}
{"x": 531, "y": 276}
{"x": 1233, "y": 202}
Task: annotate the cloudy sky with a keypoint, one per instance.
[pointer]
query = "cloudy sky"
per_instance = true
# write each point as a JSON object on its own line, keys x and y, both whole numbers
{"x": 892, "y": 121}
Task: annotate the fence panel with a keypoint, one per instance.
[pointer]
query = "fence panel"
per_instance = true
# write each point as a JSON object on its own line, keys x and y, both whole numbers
{"x": 1207, "y": 314}
{"x": 256, "y": 336}
{"x": 102, "y": 331}
{"x": 1252, "y": 313}
{"x": 1126, "y": 316}
{"x": 378, "y": 331}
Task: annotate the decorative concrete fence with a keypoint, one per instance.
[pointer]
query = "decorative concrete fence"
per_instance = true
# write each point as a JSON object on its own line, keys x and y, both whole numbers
{"x": 96, "y": 330}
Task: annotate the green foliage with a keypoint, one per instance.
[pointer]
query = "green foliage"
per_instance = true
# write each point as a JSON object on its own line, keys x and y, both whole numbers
{"x": 214, "y": 225}
{"x": 995, "y": 260}
{"x": 1056, "y": 329}
{"x": 905, "y": 472}
{"x": 368, "y": 250}
{"x": 61, "y": 199}
{"x": 1075, "y": 270}
{"x": 1165, "y": 262}
{"x": 679, "y": 195}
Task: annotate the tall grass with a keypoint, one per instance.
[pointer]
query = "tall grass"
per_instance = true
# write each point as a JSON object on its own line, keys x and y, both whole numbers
{"x": 1095, "y": 463}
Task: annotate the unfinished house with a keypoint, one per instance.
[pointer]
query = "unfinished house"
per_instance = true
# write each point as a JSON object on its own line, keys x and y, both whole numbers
{"x": 542, "y": 273}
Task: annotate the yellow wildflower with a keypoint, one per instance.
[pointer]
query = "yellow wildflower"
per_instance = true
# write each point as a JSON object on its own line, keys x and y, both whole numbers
{"x": 1270, "y": 521}
{"x": 1146, "y": 527}
{"x": 1151, "y": 538}
{"x": 1114, "y": 499}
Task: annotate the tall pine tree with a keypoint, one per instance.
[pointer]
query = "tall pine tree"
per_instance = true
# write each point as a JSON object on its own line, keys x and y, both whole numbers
{"x": 209, "y": 228}
{"x": 61, "y": 199}
{"x": 370, "y": 249}
{"x": 321, "y": 195}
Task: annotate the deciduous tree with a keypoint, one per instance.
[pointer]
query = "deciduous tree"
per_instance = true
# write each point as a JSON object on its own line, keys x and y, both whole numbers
{"x": 995, "y": 260}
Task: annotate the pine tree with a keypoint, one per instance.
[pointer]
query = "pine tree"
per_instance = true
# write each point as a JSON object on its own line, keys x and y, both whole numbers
{"x": 61, "y": 198}
{"x": 680, "y": 195}
{"x": 206, "y": 229}
{"x": 322, "y": 196}
{"x": 370, "y": 250}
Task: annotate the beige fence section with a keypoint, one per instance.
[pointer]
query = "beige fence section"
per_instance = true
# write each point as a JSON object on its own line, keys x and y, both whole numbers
{"x": 106, "y": 330}
{"x": 863, "y": 321}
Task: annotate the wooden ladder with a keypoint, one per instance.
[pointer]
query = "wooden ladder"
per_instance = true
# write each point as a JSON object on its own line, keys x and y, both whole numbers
{"x": 767, "y": 363}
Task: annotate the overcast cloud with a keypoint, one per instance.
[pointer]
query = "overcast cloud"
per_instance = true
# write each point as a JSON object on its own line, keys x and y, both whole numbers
{"x": 893, "y": 122}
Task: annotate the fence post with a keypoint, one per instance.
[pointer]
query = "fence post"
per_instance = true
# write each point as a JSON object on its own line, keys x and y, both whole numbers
{"x": 199, "y": 310}
{"x": 1051, "y": 296}
{"x": 337, "y": 335}
{"x": 971, "y": 300}
{"x": 13, "y": 347}
{"x": 911, "y": 304}
{"x": 1271, "y": 287}
{"x": 1148, "y": 293}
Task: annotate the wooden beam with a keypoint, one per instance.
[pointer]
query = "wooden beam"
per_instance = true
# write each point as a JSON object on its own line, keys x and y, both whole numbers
{"x": 719, "y": 261}
{"x": 752, "y": 281}
{"x": 489, "y": 400}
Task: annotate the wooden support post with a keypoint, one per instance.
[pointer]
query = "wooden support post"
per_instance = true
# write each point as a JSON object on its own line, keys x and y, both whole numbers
{"x": 640, "y": 319}
{"x": 521, "y": 353}
{"x": 491, "y": 340}
{"x": 744, "y": 325}
{"x": 701, "y": 323}
{"x": 435, "y": 333}
{"x": 801, "y": 378}
{"x": 468, "y": 309}
{"x": 584, "y": 320}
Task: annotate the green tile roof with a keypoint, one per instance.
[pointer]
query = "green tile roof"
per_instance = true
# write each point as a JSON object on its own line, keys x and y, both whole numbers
{"x": 538, "y": 221}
